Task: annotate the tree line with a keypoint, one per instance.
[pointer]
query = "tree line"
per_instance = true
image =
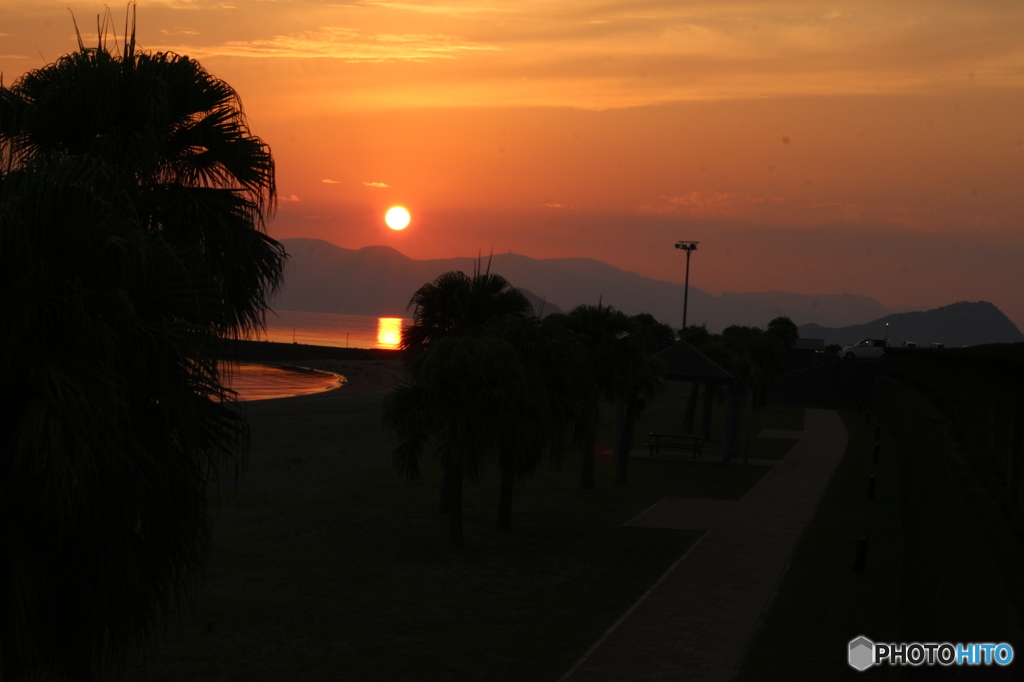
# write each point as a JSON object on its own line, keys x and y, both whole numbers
{"x": 486, "y": 378}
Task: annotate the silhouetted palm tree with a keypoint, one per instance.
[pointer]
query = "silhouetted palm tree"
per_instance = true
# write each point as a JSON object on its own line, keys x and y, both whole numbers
{"x": 617, "y": 363}
{"x": 456, "y": 302}
{"x": 464, "y": 391}
{"x": 112, "y": 420}
{"x": 177, "y": 141}
{"x": 132, "y": 206}
{"x": 556, "y": 412}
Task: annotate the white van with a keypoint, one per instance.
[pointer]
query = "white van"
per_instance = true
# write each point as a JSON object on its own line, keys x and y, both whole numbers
{"x": 868, "y": 349}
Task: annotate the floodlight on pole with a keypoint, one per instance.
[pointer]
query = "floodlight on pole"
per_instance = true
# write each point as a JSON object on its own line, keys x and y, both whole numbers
{"x": 689, "y": 247}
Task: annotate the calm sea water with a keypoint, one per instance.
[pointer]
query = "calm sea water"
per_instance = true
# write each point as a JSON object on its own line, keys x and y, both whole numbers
{"x": 259, "y": 382}
{"x": 330, "y": 329}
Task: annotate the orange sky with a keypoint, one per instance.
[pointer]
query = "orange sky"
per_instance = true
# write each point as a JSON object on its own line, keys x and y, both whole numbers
{"x": 864, "y": 147}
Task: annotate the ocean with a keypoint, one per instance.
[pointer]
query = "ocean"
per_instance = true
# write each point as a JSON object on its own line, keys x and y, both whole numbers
{"x": 332, "y": 329}
{"x": 259, "y": 382}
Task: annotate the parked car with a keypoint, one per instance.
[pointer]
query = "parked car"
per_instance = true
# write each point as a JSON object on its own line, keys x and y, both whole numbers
{"x": 868, "y": 349}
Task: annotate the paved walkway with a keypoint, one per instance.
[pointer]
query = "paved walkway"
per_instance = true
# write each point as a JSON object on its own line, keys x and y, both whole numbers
{"x": 696, "y": 621}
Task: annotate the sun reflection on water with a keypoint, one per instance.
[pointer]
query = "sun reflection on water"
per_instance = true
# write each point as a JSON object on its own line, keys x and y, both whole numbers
{"x": 389, "y": 332}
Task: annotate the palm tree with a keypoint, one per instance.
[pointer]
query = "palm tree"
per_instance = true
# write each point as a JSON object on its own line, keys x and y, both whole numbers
{"x": 178, "y": 143}
{"x": 132, "y": 207}
{"x": 644, "y": 381}
{"x": 617, "y": 364}
{"x": 557, "y": 410}
{"x": 456, "y": 302}
{"x": 112, "y": 420}
{"x": 455, "y": 308}
{"x": 463, "y": 394}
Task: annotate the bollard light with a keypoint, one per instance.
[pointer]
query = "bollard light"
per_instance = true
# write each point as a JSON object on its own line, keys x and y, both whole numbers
{"x": 871, "y": 486}
{"x": 874, "y": 457}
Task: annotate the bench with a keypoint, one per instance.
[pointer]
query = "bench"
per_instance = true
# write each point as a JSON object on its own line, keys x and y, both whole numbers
{"x": 664, "y": 440}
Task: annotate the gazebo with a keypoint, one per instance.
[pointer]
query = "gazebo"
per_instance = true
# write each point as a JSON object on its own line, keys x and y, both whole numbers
{"x": 682, "y": 362}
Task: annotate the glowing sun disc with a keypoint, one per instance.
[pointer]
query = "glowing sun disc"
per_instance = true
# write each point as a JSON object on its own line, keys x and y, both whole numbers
{"x": 397, "y": 218}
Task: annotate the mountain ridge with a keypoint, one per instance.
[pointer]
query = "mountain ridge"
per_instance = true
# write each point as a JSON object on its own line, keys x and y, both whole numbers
{"x": 380, "y": 280}
{"x": 963, "y": 323}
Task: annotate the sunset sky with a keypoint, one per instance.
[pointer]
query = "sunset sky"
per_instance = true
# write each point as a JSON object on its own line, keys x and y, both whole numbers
{"x": 874, "y": 148}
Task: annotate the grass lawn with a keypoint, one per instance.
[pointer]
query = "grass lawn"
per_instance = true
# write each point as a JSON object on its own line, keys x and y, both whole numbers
{"x": 822, "y": 604}
{"x": 326, "y": 565}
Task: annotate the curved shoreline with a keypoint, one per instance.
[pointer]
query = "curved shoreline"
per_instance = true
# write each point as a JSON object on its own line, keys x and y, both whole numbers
{"x": 252, "y": 381}
{"x": 365, "y": 370}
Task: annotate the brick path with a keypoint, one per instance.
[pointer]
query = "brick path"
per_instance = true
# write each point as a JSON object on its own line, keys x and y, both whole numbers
{"x": 696, "y": 621}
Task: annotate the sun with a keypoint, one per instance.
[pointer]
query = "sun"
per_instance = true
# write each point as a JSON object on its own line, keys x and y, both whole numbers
{"x": 397, "y": 218}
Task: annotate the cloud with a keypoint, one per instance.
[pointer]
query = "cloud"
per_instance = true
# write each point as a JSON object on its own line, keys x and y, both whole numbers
{"x": 177, "y": 30}
{"x": 291, "y": 197}
{"x": 375, "y": 184}
{"x": 331, "y": 182}
{"x": 705, "y": 204}
{"x": 346, "y": 44}
{"x": 455, "y": 9}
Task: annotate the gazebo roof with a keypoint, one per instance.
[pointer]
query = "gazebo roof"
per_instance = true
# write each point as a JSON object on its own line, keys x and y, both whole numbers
{"x": 683, "y": 362}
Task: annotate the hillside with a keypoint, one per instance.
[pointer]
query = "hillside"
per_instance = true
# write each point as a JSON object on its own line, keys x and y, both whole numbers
{"x": 378, "y": 280}
{"x": 959, "y": 324}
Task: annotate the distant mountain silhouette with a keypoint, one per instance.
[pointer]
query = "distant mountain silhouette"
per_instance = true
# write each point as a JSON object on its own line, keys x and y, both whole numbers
{"x": 959, "y": 324}
{"x": 378, "y": 280}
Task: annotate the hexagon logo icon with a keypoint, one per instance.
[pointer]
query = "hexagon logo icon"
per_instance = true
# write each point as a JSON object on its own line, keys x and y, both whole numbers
{"x": 862, "y": 653}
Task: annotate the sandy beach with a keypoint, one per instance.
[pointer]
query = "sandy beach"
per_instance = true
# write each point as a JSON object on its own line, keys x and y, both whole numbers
{"x": 314, "y": 429}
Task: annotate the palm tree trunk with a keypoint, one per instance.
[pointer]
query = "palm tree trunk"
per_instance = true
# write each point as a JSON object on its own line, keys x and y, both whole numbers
{"x": 587, "y": 471}
{"x": 508, "y": 478}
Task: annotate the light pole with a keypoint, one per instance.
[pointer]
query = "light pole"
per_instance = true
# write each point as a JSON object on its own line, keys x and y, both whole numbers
{"x": 689, "y": 247}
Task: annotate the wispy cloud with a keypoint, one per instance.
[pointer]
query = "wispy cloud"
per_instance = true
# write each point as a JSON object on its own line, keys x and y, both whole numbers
{"x": 706, "y": 204}
{"x": 375, "y": 184}
{"x": 347, "y": 44}
{"x": 331, "y": 182}
{"x": 179, "y": 31}
{"x": 449, "y": 9}
{"x": 290, "y": 197}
